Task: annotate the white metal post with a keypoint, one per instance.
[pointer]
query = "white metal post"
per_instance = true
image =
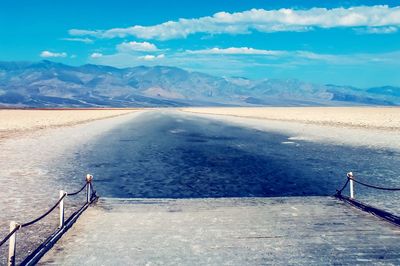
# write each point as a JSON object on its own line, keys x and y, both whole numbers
{"x": 350, "y": 176}
{"x": 12, "y": 245}
{"x": 351, "y": 189}
{"x": 62, "y": 209}
{"x": 88, "y": 192}
{"x": 89, "y": 179}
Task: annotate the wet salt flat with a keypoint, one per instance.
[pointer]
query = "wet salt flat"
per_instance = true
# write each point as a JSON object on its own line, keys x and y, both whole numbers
{"x": 172, "y": 155}
{"x": 168, "y": 154}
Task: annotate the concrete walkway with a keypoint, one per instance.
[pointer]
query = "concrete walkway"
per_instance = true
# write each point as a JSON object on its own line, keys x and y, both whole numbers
{"x": 227, "y": 231}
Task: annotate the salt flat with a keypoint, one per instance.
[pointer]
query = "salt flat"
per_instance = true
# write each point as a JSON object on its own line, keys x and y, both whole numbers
{"x": 371, "y": 127}
{"x": 387, "y": 118}
{"x": 227, "y": 231}
{"x": 35, "y": 164}
{"x": 13, "y": 122}
{"x": 39, "y": 160}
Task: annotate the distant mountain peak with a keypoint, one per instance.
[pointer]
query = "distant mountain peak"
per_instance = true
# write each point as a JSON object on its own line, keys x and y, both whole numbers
{"x": 51, "y": 84}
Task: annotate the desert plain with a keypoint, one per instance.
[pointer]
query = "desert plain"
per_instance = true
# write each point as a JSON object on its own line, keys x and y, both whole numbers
{"x": 38, "y": 147}
{"x": 387, "y": 118}
{"x": 14, "y": 122}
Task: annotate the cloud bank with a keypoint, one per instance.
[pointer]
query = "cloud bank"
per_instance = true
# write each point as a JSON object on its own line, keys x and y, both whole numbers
{"x": 376, "y": 19}
{"x": 237, "y": 51}
{"x": 96, "y": 55}
{"x": 83, "y": 40}
{"x": 48, "y": 54}
{"x": 136, "y": 46}
{"x": 150, "y": 57}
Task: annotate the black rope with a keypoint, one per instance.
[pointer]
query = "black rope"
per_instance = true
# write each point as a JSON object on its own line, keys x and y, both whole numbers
{"x": 77, "y": 192}
{"x": 376, "y": 187}
{"x": 339, "y": 192}
{"x": 55, "y": 205}
{"x": 18, "y": 226}
{"x": 45, "y": 214}
{"x": 9, "y": 235}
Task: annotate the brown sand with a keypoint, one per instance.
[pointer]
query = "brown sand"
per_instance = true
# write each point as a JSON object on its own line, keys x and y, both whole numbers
{"x": 361, "y": 117}
{"x": 16, "y": 122}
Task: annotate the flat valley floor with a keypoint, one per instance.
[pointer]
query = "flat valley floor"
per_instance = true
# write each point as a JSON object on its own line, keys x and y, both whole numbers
{"x": 191, "y": 156}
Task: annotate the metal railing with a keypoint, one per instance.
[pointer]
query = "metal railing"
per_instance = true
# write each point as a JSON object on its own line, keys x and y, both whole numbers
{"x": 351, "y": 181}
{"x": 62, "y": 227}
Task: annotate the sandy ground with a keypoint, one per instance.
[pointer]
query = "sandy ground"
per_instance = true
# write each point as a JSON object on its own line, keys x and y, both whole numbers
{"x": 16, "y": 122}
{"x": 377, "y": 128}
{"x": 360, "y": 117}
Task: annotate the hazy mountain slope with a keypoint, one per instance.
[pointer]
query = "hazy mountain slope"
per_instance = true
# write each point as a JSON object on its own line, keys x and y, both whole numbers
{"x": 49, "y": 84}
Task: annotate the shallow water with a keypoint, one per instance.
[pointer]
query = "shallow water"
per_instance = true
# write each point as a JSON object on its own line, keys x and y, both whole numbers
{"x": 172, "y": 155}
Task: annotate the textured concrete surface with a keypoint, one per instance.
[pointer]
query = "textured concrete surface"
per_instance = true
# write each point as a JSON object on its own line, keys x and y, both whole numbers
{"x": 227, "y": 231}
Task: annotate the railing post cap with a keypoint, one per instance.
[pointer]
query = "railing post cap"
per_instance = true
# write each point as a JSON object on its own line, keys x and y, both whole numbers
{"x": 350, "y": 175}
{"x": 14, "y": 224}
{"x": 89, "y": 178}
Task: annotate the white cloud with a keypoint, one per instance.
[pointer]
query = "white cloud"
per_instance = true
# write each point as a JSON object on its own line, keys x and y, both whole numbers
{"x": 379, "y": 30}
{"x": 237, "y": 50}
{"x": 248, "y": 51}
{"x": 84, "y": 40}
{"x": 48, "y": 54}
{"x": 96, "y": 55}
{"x": 249, "y": 57}
{"x": 150, "y": 57}
{"x": 318, "y": 66}
{"x": 77, "y": 32}
{"x": 147, "y": 57}
{"x": 373, "y": 17}
{"x": 296, "y": 56}
{"x": 136, "y": 46}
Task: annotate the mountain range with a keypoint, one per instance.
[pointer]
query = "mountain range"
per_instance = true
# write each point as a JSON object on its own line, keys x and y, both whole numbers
{"x": 50, "y": 84}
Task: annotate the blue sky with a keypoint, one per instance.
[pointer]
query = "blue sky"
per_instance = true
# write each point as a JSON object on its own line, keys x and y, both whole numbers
{"x": 338, "y": 42}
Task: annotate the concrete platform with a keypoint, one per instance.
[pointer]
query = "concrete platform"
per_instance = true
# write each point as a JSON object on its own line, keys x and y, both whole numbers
{"x": 227, "y": 231}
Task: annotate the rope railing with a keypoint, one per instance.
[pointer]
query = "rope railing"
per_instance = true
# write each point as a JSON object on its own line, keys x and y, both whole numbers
{"x": 351, "y": 180}
{"x": 339, "y": 191}
{"x": 77, "y": 192}
{"x": 9, "y": 235}
{"x": 392, "y": 218}
{"x": 45, "y": 214}
{"x": 375, "y": 187}
{"x": 14, "y": 226}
